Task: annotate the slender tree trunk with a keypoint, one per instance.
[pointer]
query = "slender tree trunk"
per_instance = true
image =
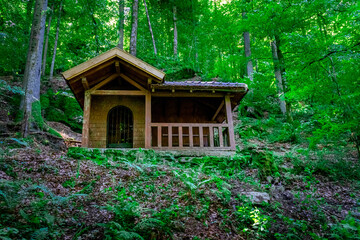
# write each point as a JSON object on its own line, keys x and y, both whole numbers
{"x": 121, "y": 24}
{"x": 175, "y": 33}
{"x": 33, "y": 68}
{"x": 96, "y": 33}
{"x": 278, "y": 78}
{"x": 29, "y": 8}
{"x": 39, "y": 59}
{"x": 249, "y": 65}
{"x": 46, "y": 44}
{"x": 55, "y": 43}
{"x": 150, "y": 28}
{"x": 279, "y": 69}
{"x": 133, "y": 37}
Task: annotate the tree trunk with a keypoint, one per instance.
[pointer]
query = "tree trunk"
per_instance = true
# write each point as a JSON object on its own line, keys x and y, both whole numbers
{"x": 36, "y": 92}
{"x": 33, "y": 68}
{"x": 55, "y": 43}
{"x": 249, "y": 65}
{"x": 151, "y": 31}
{"x": 175, "y": 33}
{"x": 121, "y": 24}
{"x": 279, "y": 69}
{"x": 46, "y": 44}
{"x": 133, "y": 37}
{"x": 96, "y": 33}
{"x": 278, "y": 78}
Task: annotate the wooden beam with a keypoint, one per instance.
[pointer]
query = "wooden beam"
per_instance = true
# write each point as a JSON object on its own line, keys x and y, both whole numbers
{"x": 106, "y": 81}
{"x": 187, "y": 94}
{"x": 85, "y": 83}
{"x": 118, "y": 92}
{"x": 88, "y": 72}
{"x": 229, "y": 118}
{"x": 110, "y": 55}
{"x": 217, "y": 111}
{"x": 147, "y": 120}
{"x": 117, "y": 66}
{"x": 86, "y": 120}
{"x": 93, "y": 83}
{"x": 129, "y": 80}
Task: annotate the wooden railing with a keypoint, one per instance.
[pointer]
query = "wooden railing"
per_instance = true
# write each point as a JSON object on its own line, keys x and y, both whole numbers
{"x": 190, "y": 135}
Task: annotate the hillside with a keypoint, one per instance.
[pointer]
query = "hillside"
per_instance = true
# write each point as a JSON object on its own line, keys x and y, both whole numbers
{"x": 274, "y": 187}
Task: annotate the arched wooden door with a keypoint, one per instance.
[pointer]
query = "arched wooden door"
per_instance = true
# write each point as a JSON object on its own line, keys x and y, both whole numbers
{"x": 120, "y": 128}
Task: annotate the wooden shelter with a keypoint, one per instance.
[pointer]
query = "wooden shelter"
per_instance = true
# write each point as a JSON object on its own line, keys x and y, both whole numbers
{"x": 127, "y": 103}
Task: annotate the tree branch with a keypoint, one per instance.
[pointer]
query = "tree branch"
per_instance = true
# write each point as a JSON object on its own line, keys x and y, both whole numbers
{"x": 329, "y": 54}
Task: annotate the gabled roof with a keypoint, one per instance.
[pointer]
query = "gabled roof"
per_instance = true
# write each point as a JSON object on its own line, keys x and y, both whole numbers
{"x": 111, "y": 54}
{"x": 113, "y": 65}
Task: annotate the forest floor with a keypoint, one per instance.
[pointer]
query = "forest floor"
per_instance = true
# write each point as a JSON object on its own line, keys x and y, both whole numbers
{"x": 273, "y": 187}
{"x": 265, "y": 191}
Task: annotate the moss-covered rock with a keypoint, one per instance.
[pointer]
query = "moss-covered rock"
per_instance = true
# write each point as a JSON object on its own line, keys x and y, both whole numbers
{"x": 56, "y": 115}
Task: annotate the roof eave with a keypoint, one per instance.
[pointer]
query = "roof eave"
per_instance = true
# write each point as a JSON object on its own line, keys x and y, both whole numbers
{"x": 112, "y": 53}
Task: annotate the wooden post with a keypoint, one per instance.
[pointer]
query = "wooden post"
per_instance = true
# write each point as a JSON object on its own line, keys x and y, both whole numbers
{"x": 147, "y": 120}
{"x": 211, "y": 136}
{"x": 230, "y": 122}
{"x": 201, "y": 136}
{"x": 159, "y": 136}
{"x": 180, "y": 136}
{"x": 191, "y": 139}
{"x": 86, "y": 120}
{"x": 221, "y": 139}
{"x": 170, "y": 136}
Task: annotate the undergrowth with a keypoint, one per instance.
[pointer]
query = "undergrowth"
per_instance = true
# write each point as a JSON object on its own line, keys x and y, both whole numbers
{"x": 139, "y": 194}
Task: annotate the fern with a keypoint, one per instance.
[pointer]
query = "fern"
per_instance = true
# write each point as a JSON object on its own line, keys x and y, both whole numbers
{"x": 124, "y": 235}
{"x": 40, "y": 234}
{"x": 148, "y": 224}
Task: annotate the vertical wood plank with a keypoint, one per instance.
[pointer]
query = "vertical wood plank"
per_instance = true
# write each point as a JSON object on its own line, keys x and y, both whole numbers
{"x": 211, "y": 136}
{"x": 191, "y": 140}
{"x": 180, "y": 136}
{"x": 159, "y": 136}
{"x": 170, "y": 136}
{"x": 230, "y": 122}
{"x": 221, "y": 140}
{"x": 201, "y": 136}
{"x": 147, "y": 120}
{"x": 86, "y": 121}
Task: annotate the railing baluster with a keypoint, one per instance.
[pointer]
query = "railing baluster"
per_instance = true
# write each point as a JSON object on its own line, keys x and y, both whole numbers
{"x": 201, "y": 136}
{"x": 191, "y": 140}
{"x": 170, "y": 136}
{"x": 211, "y": 136}
{"x": 221, "y": 137}
{"x": 159, "y": 136}
{"x": 180, "y": 136}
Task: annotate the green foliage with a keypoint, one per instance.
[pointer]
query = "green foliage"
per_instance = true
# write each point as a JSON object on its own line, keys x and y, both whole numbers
{"x": 349, "y": 228}
{"x": 339, "y": 168}
{"x": 36, "y": 114}
{"x": 62, "y": 107}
